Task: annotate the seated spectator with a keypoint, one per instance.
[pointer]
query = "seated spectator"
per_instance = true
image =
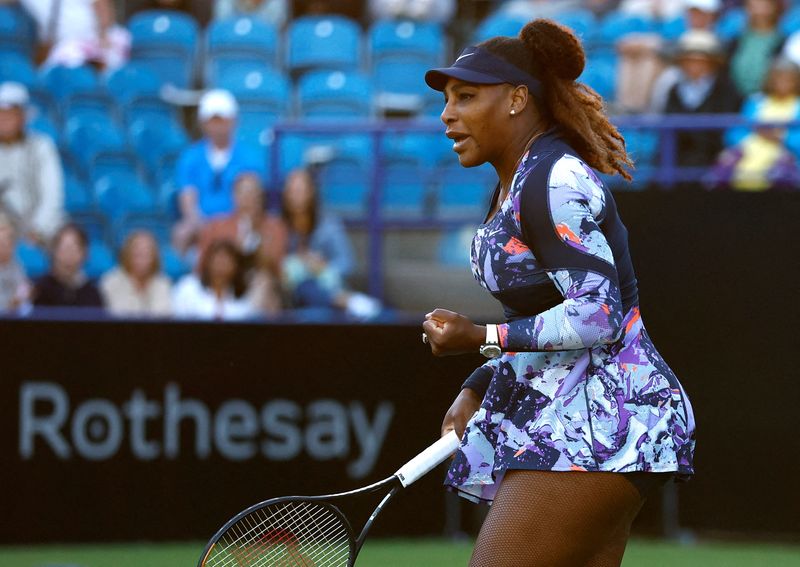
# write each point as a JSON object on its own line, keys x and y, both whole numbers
{"x": 260, "y": 236}
{"x": 320, "y": 255}
{"x": 75, "y": 32}
{"x": 66, "y": 285}
{"x": 753, "y": 51}
{"x": 273, "y": 12}
{"x": 766, "y": 158}
{"x": 200, "y": 10}
{"x": 703, "y": 88}
{"x": 137, "y": 287}
{"x": 219, "y": 290}
{"x": 439, "y": 11}
{"x": 207, "y": 169}
{"x": 14, "y": 286}
{"x": 699, "y": 15}
{"x": 31, "y": 179}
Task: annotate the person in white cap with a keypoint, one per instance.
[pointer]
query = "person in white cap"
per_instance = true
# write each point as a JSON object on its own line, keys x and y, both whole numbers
{"x": 31, "y": 178}
{"x": 206, "y": 170}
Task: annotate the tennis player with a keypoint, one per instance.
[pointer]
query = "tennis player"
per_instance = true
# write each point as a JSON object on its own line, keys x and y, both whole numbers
{"x": 578, "y": 416}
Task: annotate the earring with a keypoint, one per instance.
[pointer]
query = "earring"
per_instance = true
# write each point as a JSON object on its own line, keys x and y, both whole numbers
{"x": 513, "y": 112}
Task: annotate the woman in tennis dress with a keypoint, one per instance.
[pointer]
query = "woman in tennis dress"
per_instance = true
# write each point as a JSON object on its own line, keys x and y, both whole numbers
{"x": 578, "y": 416}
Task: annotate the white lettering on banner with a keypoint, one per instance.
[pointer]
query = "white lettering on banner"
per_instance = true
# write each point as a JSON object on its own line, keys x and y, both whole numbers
{"x": 280, "y": 430}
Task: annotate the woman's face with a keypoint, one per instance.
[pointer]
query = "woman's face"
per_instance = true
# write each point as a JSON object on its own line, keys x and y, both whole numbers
{"x": 142, "y": 256}
{"x": 68, "y": 254}
{"x": 762, "y": 10}
{"x": 299, "y": 193}
{"x": 12, "y": 122}
{"x": 6, "y": 244}
{"x": 473, "y": 115}
{"x": 222, "y": 267}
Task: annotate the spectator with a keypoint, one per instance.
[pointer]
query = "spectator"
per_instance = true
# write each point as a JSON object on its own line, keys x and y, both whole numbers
{"x": 753, "y": 51}
{"x": 273, "y": 12}
{"x": 137, "y": 287}
{"x": 260, "y": 236}
{"x": 75, "y": 32}
{"x": 320, "y": 256}
{"x": 14, "y": 286}
{"x": 703, "y": 88}
{"x": 67, "y": 285}
{"x": 219, "y": 290}
{"x": 200, "y": 10}
{"x": 206, "y": 170}
{"x": 31, "y": 180}
{"x": 699, "y": 15}
{"x": 766, "y": 158}
{"x": 439, "y": 11}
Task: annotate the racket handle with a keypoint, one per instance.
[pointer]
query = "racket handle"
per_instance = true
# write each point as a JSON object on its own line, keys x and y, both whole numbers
{"x": 422, "y": 464}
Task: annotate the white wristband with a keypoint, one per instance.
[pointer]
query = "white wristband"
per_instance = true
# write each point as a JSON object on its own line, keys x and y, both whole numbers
{"x": 491, "y": 335}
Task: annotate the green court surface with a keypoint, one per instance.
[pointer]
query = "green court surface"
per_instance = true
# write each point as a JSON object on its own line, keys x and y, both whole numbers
{"x": 402, "y": 553}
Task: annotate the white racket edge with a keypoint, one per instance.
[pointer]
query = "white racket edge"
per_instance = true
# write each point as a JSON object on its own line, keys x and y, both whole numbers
{"x": 420, "y": 465}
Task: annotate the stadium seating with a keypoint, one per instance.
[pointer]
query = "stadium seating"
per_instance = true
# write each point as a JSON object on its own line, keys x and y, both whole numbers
{"x": 17, "y": 33}
{"x": 238, "y": 41}
{"x": 17, "y": 67}
{"x": 405, "y": 189}
{"x": 132, "y": 81}
{"x": 122, "y": 192}
{"x": 323, "y": 42}
{"x": 407, "y": 40}
{"x": 790, "y": 22}
{"x": 61, "y": 82}
{"x": 344, "y": 186}
{"x": 463, "y": 193}
{"x": 77, "y": 198}
{"x": 582, "y": 22}
{"x": 166, "y": 42}
{"x": 498, "y": 24}
{"x": 263, "y": 93}
{"x": 100, "y": 259}
{"x": 334, "y": 94}
{"x": 618, "y": 24}
{"x": 731, "y": 24}
{"x": 32, "y": 258}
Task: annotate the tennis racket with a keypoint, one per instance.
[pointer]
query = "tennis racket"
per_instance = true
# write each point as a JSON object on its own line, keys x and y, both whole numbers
{"x": 310, "y": 531}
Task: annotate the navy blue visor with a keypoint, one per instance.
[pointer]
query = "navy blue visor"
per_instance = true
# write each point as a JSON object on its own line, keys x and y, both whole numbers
{"x": 476, "y": 65}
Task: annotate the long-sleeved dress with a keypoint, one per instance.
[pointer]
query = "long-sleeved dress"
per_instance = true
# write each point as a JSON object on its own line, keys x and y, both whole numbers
{"x": 580, "y": 386}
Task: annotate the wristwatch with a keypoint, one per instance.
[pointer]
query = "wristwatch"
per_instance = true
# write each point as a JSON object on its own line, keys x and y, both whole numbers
{"x": 491, "y": 348}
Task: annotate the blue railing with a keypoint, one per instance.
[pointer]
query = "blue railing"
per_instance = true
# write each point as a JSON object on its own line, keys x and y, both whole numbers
{"x": 667, "y": 172}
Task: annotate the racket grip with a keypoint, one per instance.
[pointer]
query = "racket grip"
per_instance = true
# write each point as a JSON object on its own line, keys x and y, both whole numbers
{"x": 422, "y": 464}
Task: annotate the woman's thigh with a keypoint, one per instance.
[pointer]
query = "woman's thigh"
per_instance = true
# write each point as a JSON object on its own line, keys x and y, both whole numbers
{"x": 543, "y": 518}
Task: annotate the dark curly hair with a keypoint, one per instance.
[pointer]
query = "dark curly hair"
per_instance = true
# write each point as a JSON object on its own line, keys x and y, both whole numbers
{"x": 554, "y": 55}
{"x": 228, "y": 247}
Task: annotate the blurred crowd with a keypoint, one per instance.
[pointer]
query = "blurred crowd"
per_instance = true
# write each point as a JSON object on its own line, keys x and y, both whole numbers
{"x": 250, "y": 258}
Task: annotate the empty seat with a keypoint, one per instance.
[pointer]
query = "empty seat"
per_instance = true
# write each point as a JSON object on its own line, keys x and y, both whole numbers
{"x": 464, "y": 193}
{"x": 65, "y": 81}
{"x": 155, "y": 138}
{"x": 77, "y": 197}
{"x": 32, "y": 258}
{"x": 405, "y": 190}
{"x": 344, "y": 186}
{"x": 331, "y": 42}
{"x": 99, "y": 260}
{"x": 398, "y": 84}
{"x": 423, "y": 41}
{"x": 325, "y": 94}
{"x": 582, "y": 22}
{"x": 17, "y": 67}
{"x": 455, "y": 245}
{"x": 131, "y": 81}
{"x": 498, "y": 24}
{"x": 263, "y": 93}
{"x": 618, "y": 24}
{"x": 120, "y": 193}
{"x": 601, "y": 75}
{"x": 17, "y": 32}
{"x": 239, "y": 40}
{"x": 166, "y": 42}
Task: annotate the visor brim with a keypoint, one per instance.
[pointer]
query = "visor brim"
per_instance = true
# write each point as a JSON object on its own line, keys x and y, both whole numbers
{"x": 437, "y": 78}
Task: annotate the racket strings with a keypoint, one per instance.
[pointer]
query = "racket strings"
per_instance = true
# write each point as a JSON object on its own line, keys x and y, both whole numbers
{"x": 288, "y": 534}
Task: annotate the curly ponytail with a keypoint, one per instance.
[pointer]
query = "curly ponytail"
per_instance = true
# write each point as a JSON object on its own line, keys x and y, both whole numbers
{"x": 554, "y": 55}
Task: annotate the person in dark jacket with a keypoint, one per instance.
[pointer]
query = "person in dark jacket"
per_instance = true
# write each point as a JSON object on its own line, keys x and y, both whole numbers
{"x": 66, "y": 285}
{"x": 703, "y": 88}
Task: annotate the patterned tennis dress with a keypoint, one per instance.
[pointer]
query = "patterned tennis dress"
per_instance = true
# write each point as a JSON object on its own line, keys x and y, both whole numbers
{"x": 580, "y": 386}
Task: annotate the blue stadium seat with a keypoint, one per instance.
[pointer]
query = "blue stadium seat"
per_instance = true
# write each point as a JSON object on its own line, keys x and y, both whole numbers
{"x": 111, "y": 161}
{"x": 731, "y": 24}
{"x": 155, "y": 138}
{"x": 498, "y": 24}
{"x": 94, "y": 223}
{"x": 330, "y": 42}
{"x": 43, "y": 104}
{"x": 131, "y": 81}
{"x": 173, "y": 264}
{"x": 642, "y": 146}
{"x": 334, "y": 94}
{"x": 455, "y": 246}
{"x": 17, "y": 67}
{"x": 263, "y": 93}
{"x": 344, "y": 186}
{"x": 239, "y": 40}
{"x": 62, "y": 82}
{"x": 464, "y": 193}
{"x": 428, "y": 148}
{"x": 582, "y": 22}
{"x": 672, "y": 29}
{"x": 42, "y": 124}
{"x": 99, "y": 260}
{"x": 77, "y": 197}
{"x": 85, "y": 139}
{"x": 790, "y": 22}
{"x": 404, "y": 190}
{"x": 149, "y": 107}
{"x": 600, "y": 74}
{"x": 32, "y": 258}
{"x": 120, "y": 193}
{"x": 421, "y": 41}
{"x": 398, "y": 84}
{"x": 166, "y": 42}
{"x": 617, "y": 24}
{"x": 17, "y": 31}
{"x": 89, "y": 106}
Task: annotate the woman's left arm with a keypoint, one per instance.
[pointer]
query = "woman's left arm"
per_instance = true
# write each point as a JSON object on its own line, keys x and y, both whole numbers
{"x": 560, "y": 223}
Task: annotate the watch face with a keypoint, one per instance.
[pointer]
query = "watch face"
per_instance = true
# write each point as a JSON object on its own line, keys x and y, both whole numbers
{"x": 491, "y": 351}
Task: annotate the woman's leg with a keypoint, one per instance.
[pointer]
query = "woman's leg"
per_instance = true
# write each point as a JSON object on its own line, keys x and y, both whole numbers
{"x": 553, "y": 519}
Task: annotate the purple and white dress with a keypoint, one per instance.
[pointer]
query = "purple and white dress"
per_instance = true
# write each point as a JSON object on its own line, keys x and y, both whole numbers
{"x": 580, "y": 386}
